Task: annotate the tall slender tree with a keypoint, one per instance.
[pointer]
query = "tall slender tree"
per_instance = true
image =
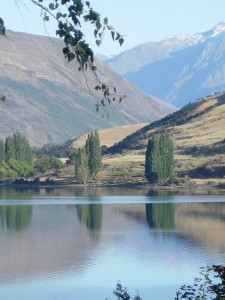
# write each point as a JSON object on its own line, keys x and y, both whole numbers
{"x": 93, "y": 150}
{"x": 81, "y": 166}
{"x": 10, "y": 151}
{"x": 2, "y": 151}
{"x": 159, "y": 161}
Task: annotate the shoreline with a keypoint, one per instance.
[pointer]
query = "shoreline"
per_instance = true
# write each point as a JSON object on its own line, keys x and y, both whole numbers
{"x": 187, "y": 189}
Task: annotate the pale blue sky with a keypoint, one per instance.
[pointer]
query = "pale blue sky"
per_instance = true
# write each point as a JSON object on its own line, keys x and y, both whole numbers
{"x": 139, "y": 21}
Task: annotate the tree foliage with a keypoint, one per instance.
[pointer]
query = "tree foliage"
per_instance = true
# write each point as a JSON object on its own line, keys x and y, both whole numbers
{"x": 205, "y": 287}
{"x": 15, "y": 157}
{"x": 209, "y": 285}
{"x": 81, "y": 166}
{"x": 71, "y": 15}
{"x": 93, "y": 150}
{"x": 2, "y": 32}
{"x": 159, "y": 160}
{"x": 88, "y": 160}
{"x": 47, "y": 162}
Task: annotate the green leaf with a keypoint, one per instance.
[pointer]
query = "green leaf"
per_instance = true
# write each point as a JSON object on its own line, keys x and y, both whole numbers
{"x": 46, "y": 18}
{"x": 2, "y": 98}
{"x": 105, "y": 21}
{"x": 117, "y": 36}
{"x": 121, "y": 40}
{"x": 98, "y": 42}
{"x": 113, "y": 34}
{"x": 87, "y": 3}
{"x": 51, "y": 6}
{"x": 71, "y": 56}
{"x": 58, "y": 15}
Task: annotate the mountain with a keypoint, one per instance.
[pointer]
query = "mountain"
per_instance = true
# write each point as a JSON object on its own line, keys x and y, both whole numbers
{"x": 49, "y": 100}
{"x": 199, "y": 144}
{"x": 177, "y": 69}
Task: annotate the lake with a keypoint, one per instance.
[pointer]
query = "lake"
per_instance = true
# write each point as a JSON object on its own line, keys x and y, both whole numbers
{"x": 69, "y": 243}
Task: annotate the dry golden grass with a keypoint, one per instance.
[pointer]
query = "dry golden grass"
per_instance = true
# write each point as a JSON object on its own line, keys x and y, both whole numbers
{"x": 108, "y": 137}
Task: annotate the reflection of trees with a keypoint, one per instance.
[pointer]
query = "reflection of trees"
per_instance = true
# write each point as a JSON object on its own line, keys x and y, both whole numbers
{"x": 15, "y": 193}
{"x": 15, "y": 216}
{"x": 90, "y": 215}
{"x": 160, "y": 215}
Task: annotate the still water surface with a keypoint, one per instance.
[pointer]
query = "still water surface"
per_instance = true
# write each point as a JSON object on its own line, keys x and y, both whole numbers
{"x": 65, "y": 244}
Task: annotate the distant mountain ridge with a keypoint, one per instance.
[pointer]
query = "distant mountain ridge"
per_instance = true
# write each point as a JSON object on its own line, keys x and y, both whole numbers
{"x": 49, "y": 100}
{"x": 179, "y": 68}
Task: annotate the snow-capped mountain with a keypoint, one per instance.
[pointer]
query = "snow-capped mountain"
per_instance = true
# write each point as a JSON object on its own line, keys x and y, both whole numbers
{"x": 141, "y": 55}
{"x": 177, "y": 69}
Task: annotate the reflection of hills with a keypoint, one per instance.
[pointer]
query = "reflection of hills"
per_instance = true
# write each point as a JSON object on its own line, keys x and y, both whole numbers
{"x": 202, "y": 222}
{"x": 54, "y": 241}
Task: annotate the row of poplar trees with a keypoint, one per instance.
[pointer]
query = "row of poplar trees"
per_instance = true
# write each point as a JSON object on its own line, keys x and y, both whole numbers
{"x": 88, "y": 159}
{"x": 159, "y": 160}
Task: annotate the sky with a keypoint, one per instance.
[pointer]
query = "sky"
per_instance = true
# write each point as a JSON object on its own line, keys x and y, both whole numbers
{"x": 139, "y": 21}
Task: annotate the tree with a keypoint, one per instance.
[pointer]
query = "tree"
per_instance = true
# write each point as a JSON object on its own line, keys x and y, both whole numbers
{"x": 159, "y": 161}
{"x": 71, "y": 15}
{"x": 10, "y": 151}
{"x": 93, "y": 150}
{"x": 2, "y": 27}
{"x": 81, "y": 166}
{"x": 2, "y": 151}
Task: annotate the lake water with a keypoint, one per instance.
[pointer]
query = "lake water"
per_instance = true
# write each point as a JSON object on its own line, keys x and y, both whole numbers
{"x": 64, "y": 244}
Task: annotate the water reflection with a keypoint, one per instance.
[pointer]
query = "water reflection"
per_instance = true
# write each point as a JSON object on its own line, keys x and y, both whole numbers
{"x": 15, "y": 217}
{"x": 90, "y": 215}
{"x": 58, "y": 244}
{"x": 15, "y": 193}
{"x": 160, "y": 215}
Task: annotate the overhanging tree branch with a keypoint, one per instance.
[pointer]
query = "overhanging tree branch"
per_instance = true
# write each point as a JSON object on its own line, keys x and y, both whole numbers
{"x": 70, "y": 21}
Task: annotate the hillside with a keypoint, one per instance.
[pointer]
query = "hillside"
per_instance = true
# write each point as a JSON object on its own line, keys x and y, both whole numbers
{"x": 108, "y": 137}
{"x": 179, "y": 68}
{"x": 199, "y": 142}
{"x": 48, "y": 99}
{"x": 198, "y": 135}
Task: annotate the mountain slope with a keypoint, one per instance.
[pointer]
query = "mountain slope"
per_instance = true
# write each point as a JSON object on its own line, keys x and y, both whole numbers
{"x": 177, "y": 69}
{"x": 108, "y": 137}
{"x": 199, "y": 141}
{"x": 48, "y": 99}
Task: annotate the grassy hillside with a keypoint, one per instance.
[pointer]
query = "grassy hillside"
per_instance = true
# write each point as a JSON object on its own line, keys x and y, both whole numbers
{"x": 198, "y": 136}
{"x": 108, "y": 137}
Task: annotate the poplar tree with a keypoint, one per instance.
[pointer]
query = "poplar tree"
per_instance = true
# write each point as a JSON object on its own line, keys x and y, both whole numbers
{"x": 10, "y": 151}
{"x": 159, "y": 161}
{"x": 81, "y": 166}
{"x": 93, "y": 150}
{"x": 2, "y": 151}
